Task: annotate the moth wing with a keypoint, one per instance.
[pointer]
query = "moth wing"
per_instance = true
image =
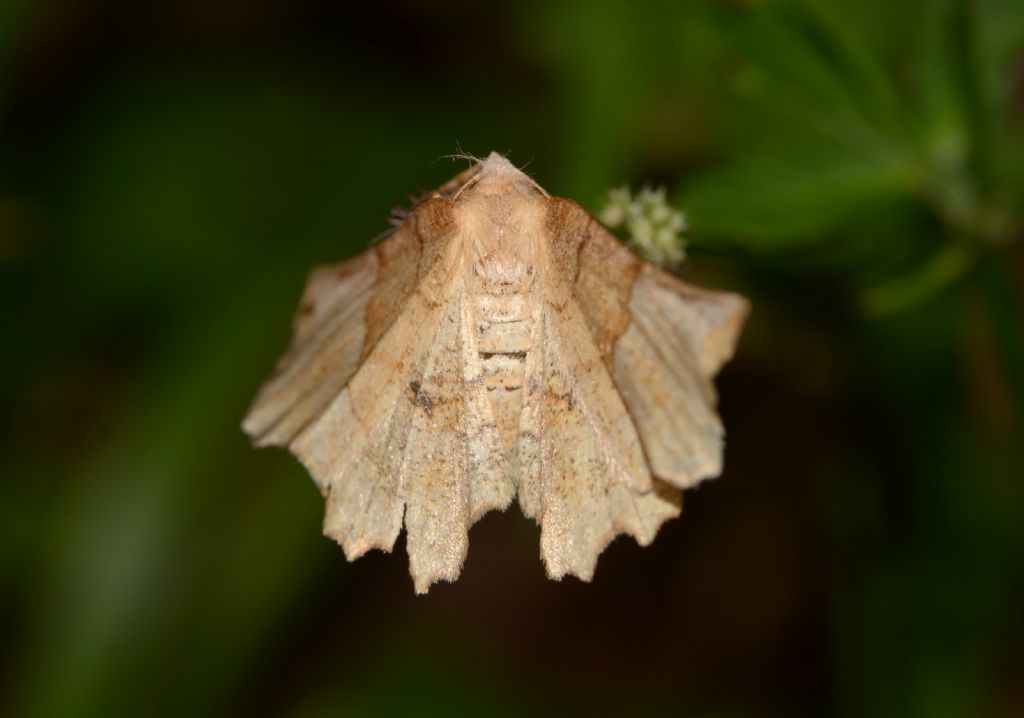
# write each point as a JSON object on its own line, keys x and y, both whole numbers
{"x": 420, "y": 441}
{"x": 583, "y": 473}
{"x": 575, "y": 480}
{"x": 678, "y": 338}
{"x": 410, "y": 435}
{"x": 454, "y": 467}
{"x": 662, "y": 339}
{"x": 344, "y": 311}
{"x": 708, "y": 321}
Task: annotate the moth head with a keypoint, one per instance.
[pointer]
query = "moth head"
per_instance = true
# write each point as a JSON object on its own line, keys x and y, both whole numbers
{"x": 496, "y": 177}
{"x": 499, "y": 210}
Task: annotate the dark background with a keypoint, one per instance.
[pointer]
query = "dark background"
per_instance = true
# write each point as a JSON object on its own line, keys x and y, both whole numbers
{"x": 170, "y": 172}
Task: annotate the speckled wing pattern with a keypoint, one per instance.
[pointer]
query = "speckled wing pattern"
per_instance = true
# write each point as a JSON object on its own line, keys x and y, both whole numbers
{"x": 379, "y": 399}
{"x": 499, "y": 343}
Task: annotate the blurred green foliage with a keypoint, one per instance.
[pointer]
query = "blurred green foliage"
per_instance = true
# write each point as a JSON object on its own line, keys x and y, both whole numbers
{"x": 168, "y": 175}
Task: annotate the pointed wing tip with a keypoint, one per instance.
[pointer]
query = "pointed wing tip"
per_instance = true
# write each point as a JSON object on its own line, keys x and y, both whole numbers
{"x": 583, "y": 574}
{"x": 720, "y": 344}
{"x": 423, "y": 582}
{"x": 580, "y": 563}
{"x": 259, "y": 433}
{"x": 646, "y": 538}
{"x": 707, "y": 470}
{"x": 663, "y": 503}
{"x": 741, "y": 310}
{"x": 355, "y": 548}
{"x": 249, "y": 427}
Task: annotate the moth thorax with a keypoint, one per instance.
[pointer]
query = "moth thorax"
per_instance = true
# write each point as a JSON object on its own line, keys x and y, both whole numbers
{"x": 502, "y": 273}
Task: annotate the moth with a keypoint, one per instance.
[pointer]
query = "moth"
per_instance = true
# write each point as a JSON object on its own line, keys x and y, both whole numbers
{"x": 499, "y": 344}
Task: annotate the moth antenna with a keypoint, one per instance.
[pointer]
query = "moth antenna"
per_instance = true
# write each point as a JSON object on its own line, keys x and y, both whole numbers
{"x": 461, "y": 154}
{"x": 472, "y": 159}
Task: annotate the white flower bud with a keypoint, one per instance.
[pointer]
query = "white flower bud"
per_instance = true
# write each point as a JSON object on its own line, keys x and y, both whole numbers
{"x": 652, "y": 225}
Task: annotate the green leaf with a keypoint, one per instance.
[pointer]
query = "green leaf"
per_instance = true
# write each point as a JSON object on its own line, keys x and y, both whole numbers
{"x": 804, "y": 71}
{"x": 792, "y": 195}
{"x": 945, "y": 267}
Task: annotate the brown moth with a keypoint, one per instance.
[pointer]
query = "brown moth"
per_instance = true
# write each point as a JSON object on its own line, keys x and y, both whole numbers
{"x": 499, "y": 343}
